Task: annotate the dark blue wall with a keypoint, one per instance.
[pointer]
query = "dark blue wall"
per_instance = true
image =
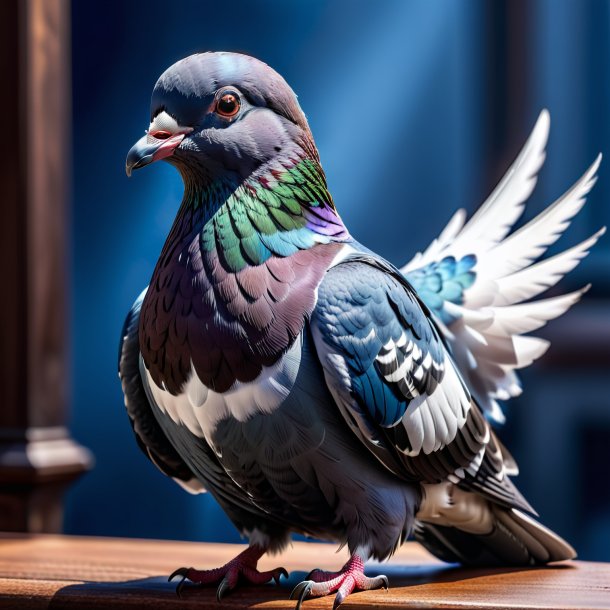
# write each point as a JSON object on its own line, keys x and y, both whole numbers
{"x": 417, "y": 108}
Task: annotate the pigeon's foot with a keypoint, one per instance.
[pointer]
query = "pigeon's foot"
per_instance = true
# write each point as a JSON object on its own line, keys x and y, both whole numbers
{"x": 242, "y": 568}
{"x": 349, "y": 578}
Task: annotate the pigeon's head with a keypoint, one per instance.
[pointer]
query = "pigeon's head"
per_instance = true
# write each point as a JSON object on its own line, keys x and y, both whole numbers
{"x": 220, "y": 115}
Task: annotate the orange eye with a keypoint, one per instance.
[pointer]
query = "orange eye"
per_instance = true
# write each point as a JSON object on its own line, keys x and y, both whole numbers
{"x": 161, "y": 134}
{"x": 228, "y": 104}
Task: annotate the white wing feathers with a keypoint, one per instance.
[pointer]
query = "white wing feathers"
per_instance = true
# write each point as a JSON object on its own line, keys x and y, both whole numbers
{"x": 530, "y": 242}
{"x": 486, "y": 336}
{"x": 494, "y": 219}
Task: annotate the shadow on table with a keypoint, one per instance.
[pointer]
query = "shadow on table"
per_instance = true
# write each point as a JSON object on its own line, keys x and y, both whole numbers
{"x": 158, "y": 592}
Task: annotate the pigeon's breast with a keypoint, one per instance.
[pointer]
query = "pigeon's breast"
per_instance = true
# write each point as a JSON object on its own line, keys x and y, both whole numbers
{"x": 227, "y": 326}
{"x": 200, "y": 408}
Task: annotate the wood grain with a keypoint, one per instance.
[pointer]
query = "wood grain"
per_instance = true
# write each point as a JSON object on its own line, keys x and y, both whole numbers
{"x": 66, "y": 572}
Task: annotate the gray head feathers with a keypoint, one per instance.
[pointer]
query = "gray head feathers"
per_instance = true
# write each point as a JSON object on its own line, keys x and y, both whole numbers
{"x": 201, "y": 75}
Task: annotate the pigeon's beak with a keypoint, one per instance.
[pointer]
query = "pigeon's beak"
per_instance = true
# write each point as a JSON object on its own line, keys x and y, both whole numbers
{"x": 149, "y": 149}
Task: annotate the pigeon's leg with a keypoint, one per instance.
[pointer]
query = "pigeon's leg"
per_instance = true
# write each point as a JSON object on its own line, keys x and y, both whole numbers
{"x": 241, "y": 568}
{"x": 347, "y": 579}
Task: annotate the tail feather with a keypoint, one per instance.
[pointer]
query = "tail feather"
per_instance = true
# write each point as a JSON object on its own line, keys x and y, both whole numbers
{"x": 543, "y": 544}
{"x": 514, "y": 540}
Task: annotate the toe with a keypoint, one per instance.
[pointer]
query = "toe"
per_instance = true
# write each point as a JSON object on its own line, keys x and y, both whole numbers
{"x": 347, "y": 586}
{"x": 278, "y": 573}
{"x": 376, "y": 582}
{"x": 318, "y": 575}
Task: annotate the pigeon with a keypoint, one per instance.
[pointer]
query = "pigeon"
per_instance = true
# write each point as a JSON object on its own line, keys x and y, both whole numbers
{"x": 308, "y": 384}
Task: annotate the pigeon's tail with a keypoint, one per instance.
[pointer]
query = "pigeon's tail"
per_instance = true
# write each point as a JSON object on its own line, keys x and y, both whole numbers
{"x": 489, "y": 535}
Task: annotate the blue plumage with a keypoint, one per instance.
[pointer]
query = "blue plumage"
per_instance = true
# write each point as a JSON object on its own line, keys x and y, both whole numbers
{"x": 362, "y": 308}
{"x": 444, "y": 281}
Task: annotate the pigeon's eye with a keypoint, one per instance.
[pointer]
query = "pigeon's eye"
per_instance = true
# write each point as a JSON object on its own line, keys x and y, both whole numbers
{"x": 228, "y": 104}
{"x": 160, "y": 134}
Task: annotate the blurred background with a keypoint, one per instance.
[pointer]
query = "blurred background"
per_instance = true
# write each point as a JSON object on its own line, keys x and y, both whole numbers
{"x": 417, "y": 107}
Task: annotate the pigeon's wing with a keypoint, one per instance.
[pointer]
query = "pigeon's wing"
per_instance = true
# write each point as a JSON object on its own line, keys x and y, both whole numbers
{"x": 396, "y": 384}
{"x": 477, "y": 276}
{"x": 149, "y": 435}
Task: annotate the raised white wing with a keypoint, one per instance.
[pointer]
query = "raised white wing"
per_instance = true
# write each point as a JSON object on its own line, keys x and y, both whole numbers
{"x": 477, "y": 275}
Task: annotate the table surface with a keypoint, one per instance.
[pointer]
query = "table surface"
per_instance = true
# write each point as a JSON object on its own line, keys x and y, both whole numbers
{"x": 45, "y": 571}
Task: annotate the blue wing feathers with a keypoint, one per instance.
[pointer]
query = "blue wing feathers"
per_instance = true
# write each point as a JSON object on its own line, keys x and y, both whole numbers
{"x": 378, "y": 399}
{"x": 362, "y": 311}
{"x": 444, "y": 281}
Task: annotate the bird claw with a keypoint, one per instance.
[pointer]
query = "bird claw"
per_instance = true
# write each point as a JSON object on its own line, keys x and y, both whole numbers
{"x": 179, "y": 572}
{"x": 223, "y": 587}
{"x": 180, "y": 587}
{"x": 241, "y": 568}
{"x": 365, "y": 584}
{"x": 302, "y": 590}
{"x": 349, "y": 578}
{"x": 339, "y": 599}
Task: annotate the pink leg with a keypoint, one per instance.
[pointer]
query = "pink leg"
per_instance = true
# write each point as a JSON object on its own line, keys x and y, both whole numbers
{"x": 350, "y": 577}
{"x": 243, "y": 567}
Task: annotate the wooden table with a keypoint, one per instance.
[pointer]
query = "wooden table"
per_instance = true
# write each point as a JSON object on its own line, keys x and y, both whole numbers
{"x": 68, "y": 572}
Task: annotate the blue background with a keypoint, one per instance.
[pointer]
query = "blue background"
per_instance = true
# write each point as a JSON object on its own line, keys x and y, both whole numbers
{"x": 417, "y": 108}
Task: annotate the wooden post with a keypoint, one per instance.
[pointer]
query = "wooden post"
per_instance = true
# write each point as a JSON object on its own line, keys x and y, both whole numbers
{"x": 37, "y": 457}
